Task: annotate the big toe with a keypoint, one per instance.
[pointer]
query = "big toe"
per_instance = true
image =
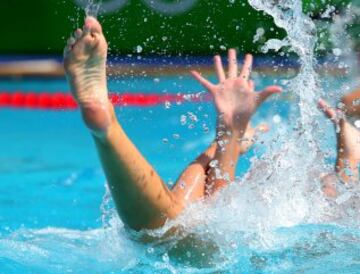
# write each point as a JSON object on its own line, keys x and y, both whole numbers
{"x": 92, "y": 25}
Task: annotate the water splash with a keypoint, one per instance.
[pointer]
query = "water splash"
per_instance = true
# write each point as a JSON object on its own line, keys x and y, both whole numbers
{"x": 237, "y": 231}
{"x": 343, "y": 43}
{"x": 91, "y": 7}
{"x": 301, "y": 36}
{"x": 283, "y": 187}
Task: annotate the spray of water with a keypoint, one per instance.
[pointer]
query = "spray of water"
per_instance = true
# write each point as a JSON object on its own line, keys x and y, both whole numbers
{"x": 283, "y": 187}
{"x": 91, "y": 7}
{"x": 237, "y": 230}
{"x": 285, "y": 183}
{"x": 344, "y": 45}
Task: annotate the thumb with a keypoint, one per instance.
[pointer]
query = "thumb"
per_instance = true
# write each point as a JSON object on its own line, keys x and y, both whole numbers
{"x": 328, "y": 111}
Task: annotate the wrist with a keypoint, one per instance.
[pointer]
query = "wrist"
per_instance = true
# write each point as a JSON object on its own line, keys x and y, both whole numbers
{"x": 226, "y": 131}
{"x": 234, "y": 124}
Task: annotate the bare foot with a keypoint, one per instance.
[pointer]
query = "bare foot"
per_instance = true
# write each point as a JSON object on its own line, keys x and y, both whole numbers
{"x": 85, "y": 66}
{"x": 348, "y": 144}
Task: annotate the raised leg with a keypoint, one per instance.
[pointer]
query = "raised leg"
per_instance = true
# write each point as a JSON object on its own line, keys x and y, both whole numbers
{"x": 192, "y": 184}
{"x": 142, "y": 199}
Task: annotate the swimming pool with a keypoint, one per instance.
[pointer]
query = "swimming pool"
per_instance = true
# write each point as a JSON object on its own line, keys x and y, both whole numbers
{"x": 56, "y": 216}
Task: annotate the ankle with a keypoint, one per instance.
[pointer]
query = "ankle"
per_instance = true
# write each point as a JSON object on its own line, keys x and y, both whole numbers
{"x": 98, "y": 117}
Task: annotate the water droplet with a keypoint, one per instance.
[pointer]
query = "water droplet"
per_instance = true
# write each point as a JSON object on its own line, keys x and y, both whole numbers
{"x": 337, "y": 52}
{"x": 167, "y": 105}
{"x": 165, "y": 258}
{"x": 259, "y": 33}
{"x": 214, "y": 163}
{"x": 192, "y": 117}
{"x": 182, "y": 184}
{"x": 277, "y": 119}
{"x": 139, "y": 49}
{"x": 183, "y": 120}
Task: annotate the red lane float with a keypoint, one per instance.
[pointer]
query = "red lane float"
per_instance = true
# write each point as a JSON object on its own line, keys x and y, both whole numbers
{"x": 62, "y": 100}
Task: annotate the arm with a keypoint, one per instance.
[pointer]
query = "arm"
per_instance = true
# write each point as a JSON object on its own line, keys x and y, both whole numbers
{"x": 348, "y": 144}
{"x": 236, "y": 101}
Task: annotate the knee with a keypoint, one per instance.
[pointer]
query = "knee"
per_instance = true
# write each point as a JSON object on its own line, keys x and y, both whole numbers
{"x": 347, "y": 103}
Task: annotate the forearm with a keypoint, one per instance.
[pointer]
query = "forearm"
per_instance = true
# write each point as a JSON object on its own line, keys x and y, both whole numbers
{"x": 222, "y": 169}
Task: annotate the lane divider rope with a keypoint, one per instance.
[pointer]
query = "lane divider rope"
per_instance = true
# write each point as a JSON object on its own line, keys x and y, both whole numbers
{"x": 64, "y": 100}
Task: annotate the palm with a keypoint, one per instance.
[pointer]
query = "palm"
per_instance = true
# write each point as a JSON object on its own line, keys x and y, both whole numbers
{"x": 235, "y": 97}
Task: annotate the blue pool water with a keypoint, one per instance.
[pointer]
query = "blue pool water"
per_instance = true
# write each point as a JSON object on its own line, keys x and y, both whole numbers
{"x": 55, "y": 216}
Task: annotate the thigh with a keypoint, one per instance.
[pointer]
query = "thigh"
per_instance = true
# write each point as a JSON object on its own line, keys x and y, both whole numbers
{"x": 352, "y": 103}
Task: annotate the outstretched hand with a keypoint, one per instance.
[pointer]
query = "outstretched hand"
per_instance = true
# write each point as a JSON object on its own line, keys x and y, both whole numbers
{"x": 234, "y": 96}
{"x": 348, "y": 136}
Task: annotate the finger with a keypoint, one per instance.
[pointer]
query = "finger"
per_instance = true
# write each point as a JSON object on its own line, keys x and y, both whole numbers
{"x": 329, "y": 111}
{"x": 251, "y": 85}
{"x": 246, "y": 69}
{"x": 267, "y": 92}
{"x": 204, "y": 82}
{"x": 262, "y": 128}
{"x": 233, "y": 65}
{"x": 219, "y": 69}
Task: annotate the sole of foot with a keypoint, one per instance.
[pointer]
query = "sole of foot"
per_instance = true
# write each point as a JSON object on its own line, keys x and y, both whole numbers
{"x": 85, "y": 66}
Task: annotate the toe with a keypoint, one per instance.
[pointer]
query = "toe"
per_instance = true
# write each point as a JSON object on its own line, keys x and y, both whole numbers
{"x": 92, "y": 25}
{"x": 85, "y": 44}
{"x": 78, "y": 33}
{"x": 71, "y": 41}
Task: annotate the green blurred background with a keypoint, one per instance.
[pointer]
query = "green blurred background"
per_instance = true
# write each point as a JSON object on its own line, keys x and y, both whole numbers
{"x": 42, "y": 26}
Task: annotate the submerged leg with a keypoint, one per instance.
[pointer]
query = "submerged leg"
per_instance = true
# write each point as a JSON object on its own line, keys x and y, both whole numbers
{"x": 142, "y": 199}
{"x": 348, "y": 145}
{"x": 192, "y": 186}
